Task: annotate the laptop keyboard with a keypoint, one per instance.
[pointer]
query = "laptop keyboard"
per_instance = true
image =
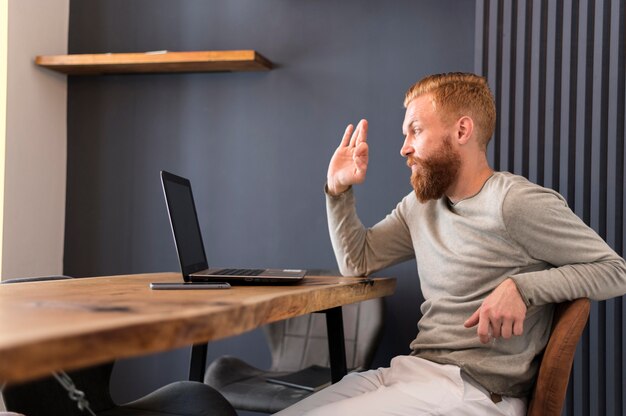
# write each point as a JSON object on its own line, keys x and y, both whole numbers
{"x": 239, "y": 272}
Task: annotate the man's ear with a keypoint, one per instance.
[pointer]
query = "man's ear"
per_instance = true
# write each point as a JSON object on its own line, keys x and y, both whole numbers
{"x": 465, "y": 129}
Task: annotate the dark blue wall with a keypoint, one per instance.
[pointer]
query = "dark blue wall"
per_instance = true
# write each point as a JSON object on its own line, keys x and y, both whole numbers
{"x": 255, "y": 145}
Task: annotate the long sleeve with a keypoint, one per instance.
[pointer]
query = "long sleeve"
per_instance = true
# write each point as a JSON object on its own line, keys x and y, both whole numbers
{"x": 580, "y": 263}
{"x": 360, "y": 251}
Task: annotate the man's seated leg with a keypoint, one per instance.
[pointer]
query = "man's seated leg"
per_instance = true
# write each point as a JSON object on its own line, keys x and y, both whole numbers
{"x": 352, "y": 385}
{"x": 411, "y": 386}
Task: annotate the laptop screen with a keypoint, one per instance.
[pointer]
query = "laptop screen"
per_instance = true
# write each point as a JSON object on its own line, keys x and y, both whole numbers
{"x": 184, "y": 221}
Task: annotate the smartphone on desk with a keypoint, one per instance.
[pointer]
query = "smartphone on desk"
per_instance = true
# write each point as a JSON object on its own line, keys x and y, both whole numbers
{"x": 189, "y": 285}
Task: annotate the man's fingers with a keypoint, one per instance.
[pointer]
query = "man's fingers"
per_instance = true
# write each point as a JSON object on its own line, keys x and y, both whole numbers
{"x": 472, "y": 320}
{"x": 502, "y": 313}
{"x": 361, "y": 150}
{"x": 507, "y": 328}
{"x": 496, "y": 328}
{"x": 355, "y": 134}
{"x": 483, "y": 330}
{"x": 518, "y": 327}
{"x": 346, "y": 136}
{"x": 362, "y": 137}
{"x": 361, "y": 163}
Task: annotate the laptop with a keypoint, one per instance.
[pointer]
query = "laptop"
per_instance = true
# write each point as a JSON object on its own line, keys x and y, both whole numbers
{"x": 190, "y": 247}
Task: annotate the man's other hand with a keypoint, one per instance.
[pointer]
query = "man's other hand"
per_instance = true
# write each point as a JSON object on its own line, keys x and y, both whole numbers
{"x": 501, "y": 314}
{"x": 348, "y": 165}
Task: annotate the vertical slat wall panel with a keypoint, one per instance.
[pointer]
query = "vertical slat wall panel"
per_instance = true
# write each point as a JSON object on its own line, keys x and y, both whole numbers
{"x": 557, "y": 71}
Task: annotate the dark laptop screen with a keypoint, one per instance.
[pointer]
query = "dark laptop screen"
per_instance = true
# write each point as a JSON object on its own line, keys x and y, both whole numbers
{"x": 185, "y": 225}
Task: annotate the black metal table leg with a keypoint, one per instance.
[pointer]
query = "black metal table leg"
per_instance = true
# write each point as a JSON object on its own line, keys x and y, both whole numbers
{"x": 336, "y": 348}
{"x": 198, "y": 362}
{"x": 336, "y": 344}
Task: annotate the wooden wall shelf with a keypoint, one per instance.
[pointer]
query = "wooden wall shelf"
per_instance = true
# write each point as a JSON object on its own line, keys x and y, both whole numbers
{"x": 155, "y": 62}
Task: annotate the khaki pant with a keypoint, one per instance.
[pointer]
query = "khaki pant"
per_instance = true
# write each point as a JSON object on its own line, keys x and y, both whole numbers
{"x": 410, "y": 386}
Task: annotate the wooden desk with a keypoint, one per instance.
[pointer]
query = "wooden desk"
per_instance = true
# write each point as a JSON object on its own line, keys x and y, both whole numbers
{"x": 70, "y": 324}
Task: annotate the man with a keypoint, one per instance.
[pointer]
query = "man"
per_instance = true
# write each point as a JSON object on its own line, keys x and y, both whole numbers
{"x": 493, "y": 252}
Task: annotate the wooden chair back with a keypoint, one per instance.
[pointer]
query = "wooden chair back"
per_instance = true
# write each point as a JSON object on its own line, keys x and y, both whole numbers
{"x": 550, "y": 388}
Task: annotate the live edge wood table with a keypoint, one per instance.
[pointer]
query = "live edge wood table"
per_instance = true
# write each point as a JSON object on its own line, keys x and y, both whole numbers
{"x": 70, "y": 324}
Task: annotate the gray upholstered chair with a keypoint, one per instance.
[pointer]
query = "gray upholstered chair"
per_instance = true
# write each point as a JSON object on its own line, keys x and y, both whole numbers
{"x": 47, "y": 397}
{"x": 296, "y": 344}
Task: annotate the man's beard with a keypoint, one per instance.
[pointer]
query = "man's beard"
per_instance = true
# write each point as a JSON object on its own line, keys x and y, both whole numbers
{"x": 436, "y": 174}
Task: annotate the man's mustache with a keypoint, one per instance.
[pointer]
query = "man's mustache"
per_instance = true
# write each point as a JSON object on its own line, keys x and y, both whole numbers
{"x": 412, "y": 160}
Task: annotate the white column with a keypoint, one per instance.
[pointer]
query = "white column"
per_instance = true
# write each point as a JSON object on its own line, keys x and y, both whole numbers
{"x": 35, "y": 140}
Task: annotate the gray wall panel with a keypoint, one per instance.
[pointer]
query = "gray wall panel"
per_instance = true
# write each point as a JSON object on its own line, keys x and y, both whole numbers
{"x": 565, "y": 119}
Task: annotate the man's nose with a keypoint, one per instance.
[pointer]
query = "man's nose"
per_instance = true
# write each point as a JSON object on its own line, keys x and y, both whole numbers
{"x": 407, "y": 149}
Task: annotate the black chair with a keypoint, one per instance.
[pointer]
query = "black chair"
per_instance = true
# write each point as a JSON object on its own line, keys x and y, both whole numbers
{"x": 47, "y": 396}
{"x": 295, "y": 344}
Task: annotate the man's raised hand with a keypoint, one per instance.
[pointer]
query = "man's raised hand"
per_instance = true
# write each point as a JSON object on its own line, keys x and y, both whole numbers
{"x": 348, "y": 165}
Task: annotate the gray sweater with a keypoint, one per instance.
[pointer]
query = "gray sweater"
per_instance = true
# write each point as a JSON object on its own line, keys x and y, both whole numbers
{"x": 511, "y": 228}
